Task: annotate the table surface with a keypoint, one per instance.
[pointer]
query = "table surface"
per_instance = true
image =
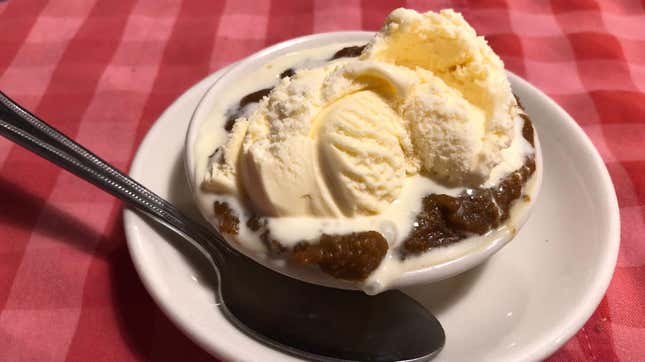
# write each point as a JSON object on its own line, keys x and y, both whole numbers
{"x": 102, "y": 71}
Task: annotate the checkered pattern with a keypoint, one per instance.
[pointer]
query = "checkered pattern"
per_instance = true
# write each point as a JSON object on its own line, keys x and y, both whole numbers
{"x": 68, "y": 290}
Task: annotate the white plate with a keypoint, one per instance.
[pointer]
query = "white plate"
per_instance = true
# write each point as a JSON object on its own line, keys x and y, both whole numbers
{"x": 523, "y": 304}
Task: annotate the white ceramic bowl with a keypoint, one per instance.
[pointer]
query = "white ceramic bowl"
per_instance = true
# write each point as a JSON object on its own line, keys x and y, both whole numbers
{"x": 453, "y": 263}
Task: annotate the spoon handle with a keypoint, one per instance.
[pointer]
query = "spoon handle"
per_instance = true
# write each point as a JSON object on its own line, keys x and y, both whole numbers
{"x": 27, "y": 130}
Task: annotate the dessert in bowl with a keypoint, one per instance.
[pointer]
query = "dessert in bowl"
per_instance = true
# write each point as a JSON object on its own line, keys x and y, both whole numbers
{"x": 368, "y": 161}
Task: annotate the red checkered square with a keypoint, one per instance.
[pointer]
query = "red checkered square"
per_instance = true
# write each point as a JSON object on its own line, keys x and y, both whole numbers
{"x": 563, "y": 6}
{"x": 288, "y": 19}
{"x": 619, "y": 106}
{"x": 595, "y": 46}
{"x": 182, "y": 54}
{"x": 515, "y": 65}
{"x": 505, "y": 44}
{"x": 374, "y": 11}
{"x": 509, "y": 48}
{"x": 605, "y": 74}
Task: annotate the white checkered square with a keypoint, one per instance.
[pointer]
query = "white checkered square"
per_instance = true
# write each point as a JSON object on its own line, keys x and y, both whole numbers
{"x": 554, "y": 77}
{"x": 528, "y": 24}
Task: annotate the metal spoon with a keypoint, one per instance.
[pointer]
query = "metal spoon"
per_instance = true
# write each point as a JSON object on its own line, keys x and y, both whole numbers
{"x": 304, "y": 320}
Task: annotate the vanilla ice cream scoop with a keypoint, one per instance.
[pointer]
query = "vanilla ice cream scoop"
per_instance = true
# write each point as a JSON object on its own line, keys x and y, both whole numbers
{"x": 461, "y": 117}
{"x": 426, "y": 97}
{"x": 448, "y": 134}
{"x": 278, "y": 159}
{"x": 314, "y": 147}
{"x": 360, "y": 154}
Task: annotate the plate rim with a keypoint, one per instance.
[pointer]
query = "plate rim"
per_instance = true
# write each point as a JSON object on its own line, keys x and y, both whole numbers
{"x": 538, "y": 351}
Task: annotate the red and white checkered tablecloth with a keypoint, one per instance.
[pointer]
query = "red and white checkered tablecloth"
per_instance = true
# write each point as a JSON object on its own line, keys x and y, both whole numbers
{"x": 103, "y": 70}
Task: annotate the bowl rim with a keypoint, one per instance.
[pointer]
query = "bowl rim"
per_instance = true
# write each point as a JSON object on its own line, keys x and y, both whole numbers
{"x": 436, "y": 272}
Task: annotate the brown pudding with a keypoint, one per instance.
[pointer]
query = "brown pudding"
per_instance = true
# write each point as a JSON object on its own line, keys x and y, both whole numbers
{"x": 353, "y": 256}
{"x": 445, "y": 219}
{"x": 227, "y": 221}
{"x": 349, "y": 52}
